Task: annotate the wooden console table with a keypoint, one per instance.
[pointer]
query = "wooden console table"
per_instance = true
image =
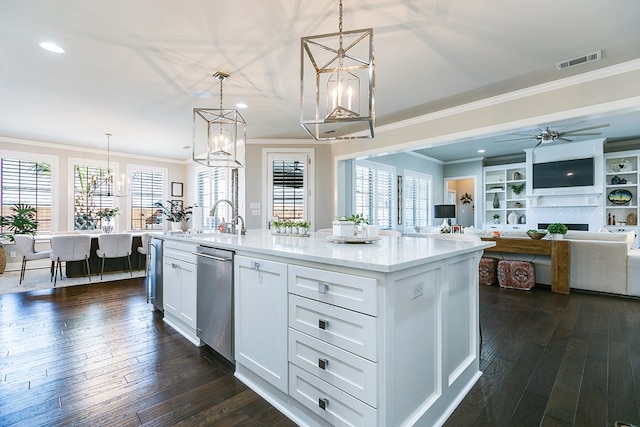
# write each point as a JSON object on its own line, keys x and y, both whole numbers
{"x": 558, "y": 250}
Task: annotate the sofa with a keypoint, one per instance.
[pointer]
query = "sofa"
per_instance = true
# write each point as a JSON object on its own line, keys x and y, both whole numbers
{"x": 600, "y": 261}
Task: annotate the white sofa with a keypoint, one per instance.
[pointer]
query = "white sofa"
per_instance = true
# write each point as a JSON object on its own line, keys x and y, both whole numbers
{"x": 600, "y": 261}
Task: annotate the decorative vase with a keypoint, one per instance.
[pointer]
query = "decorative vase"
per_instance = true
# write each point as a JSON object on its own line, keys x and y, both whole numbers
{"x": 496, "y": 201}
{"x": 107, "y": 225}
{"x": 556, "y": 236}
{"x": 176, "y": 225}
{"x": 513, "y": 218}
{"x": 517, "y": 176}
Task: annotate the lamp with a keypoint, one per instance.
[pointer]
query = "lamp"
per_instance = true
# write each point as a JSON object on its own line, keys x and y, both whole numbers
{"x": 445, "y": 212}
{"x": 337, "y": 90}
{"x": 217, "y": 133}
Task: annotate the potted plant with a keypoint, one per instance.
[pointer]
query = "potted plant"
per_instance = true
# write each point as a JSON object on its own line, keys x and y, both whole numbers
{"x": 106, "y": 216}
{"x": 304, "y": 226}
{"x": 557, "y": 230}
{"x": 518, "y": 188}
{"x": 23, "y": 221}
{"x": 175, "y": 213}
{"x": 496, "y": 218}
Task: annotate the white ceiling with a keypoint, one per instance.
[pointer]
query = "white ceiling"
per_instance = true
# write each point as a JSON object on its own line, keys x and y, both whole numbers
{"x": 130, "y": 66}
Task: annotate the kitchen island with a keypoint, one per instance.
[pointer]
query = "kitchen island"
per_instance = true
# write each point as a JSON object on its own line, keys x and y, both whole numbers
{"x": 380, "y": 334}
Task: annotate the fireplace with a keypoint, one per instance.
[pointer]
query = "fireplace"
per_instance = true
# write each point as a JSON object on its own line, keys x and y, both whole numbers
{"x": 579, "y": 227}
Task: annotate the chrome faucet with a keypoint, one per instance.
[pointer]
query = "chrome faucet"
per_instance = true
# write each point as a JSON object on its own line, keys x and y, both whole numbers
{"x": 234, "y": 220}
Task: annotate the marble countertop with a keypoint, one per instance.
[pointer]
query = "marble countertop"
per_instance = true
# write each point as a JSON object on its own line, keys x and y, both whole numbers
{"x": 389, "y": 254}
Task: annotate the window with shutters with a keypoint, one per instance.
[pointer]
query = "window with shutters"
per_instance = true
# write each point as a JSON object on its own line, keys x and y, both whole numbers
{"x": 213, "y": 184}
{"x": 147, "y": 188}
{"x": 374, "y": 193}
{"x": 289, "y": 185}
{"x": 417, "y": 199}
{"x": 27, "y": 182}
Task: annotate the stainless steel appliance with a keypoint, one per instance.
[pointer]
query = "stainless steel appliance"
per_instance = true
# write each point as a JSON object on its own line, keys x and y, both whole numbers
{"x": 154, "y": 278}
{"x": 214, "y": 319}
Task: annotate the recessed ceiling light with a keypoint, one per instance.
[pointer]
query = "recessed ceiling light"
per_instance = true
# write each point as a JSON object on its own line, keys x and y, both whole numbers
{"x": 481, "y": 150}
{"x": 242, "y": 105}
{"x": 51, "y": 47}
{"x": 186, "y": 147}
{"x": 201, "y": 93}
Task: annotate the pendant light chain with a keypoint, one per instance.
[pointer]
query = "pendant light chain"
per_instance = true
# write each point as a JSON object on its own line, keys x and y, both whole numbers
{"x": 340, "y": 50}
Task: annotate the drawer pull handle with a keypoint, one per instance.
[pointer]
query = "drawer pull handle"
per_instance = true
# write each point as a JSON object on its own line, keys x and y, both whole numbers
{"x": 323, "y": 324}
{"x": 322, "y": 364}
{"x": 255, "y": 265}
{"x": 323, "y": 288}
{"x": 323, "y": 402}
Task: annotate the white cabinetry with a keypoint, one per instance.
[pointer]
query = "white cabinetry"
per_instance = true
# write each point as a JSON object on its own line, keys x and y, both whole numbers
{"x": 180, "y": 289}
{"x": 261, "y": 318}
{"x": 501, "y": 197}
{"x": 333, "y": 345}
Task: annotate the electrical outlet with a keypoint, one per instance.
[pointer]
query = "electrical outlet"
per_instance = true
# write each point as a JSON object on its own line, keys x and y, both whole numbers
{"x": 12, "y": 254}
{"x": 417, "y": 290}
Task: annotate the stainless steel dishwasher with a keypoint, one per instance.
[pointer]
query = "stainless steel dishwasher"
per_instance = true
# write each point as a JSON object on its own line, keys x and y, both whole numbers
{"x": 214, "y": 318}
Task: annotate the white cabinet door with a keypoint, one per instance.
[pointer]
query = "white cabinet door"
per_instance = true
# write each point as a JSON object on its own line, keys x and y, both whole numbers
{"x": 188, "y": 293}
{"x": 261, "y": 318}
{"x": 171, "y": 286}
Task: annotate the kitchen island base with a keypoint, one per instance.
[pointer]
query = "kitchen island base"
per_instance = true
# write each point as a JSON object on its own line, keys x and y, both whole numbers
{"x": 369, "y": 348}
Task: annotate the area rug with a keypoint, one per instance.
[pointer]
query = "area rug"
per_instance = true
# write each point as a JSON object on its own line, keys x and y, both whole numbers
{"x": 40, "y": 278}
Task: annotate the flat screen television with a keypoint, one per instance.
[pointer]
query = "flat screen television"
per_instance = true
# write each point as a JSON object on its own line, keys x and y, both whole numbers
{"x": 564, "y": 173}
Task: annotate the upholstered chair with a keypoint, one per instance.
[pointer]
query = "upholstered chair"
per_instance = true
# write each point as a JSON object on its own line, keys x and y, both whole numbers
{"x": 26, "y": 245}
{"x": 73, "y": 247}
{"x": 114, "y": 245}
{"x": 144, "y": 250}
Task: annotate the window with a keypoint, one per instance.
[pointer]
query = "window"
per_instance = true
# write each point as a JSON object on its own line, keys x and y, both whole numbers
{"x": 147, "y": 188}
{"x": 288, "y": 185}
{"x": 27, "y": 182}
{"x": 374, "y": 190}
{"x": 92, "y": 192}
{"x": 417, "y": 199}
{"x": 213, "y": 185}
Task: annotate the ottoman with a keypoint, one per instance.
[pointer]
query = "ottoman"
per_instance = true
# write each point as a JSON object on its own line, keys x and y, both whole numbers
{"x": 487, "y": 271}
{"x": 516, "y": 274}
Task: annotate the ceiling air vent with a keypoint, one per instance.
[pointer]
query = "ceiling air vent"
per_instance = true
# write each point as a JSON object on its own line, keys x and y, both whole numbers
{"x": 579, "y": 60}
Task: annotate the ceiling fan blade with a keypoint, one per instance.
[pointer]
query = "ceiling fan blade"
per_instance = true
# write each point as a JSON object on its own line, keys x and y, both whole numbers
{"x": 564, "y": 139}
{"x": 515, "y": 139}
{"x": 581, "y": 134}
{"x": 587, "y": 128}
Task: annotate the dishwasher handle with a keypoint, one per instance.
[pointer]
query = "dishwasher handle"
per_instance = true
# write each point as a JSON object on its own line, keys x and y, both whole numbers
{"x": 217, "y": 258}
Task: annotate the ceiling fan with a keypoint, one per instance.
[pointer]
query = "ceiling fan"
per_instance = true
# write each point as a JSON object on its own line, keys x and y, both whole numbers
{"x": 547, "y": 135}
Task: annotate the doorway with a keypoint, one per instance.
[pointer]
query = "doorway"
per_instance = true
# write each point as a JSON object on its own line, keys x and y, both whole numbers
{"x": 462, "y": 191}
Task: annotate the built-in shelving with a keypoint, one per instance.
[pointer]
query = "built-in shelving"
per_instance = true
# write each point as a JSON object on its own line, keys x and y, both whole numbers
{"x": 500, "y": 197}
{"x": 621, "y": 176}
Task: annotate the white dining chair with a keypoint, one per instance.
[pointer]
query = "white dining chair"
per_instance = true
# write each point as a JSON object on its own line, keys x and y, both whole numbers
{"x": 72, "y": 247}
{"x": 114, "y": 245}
{"x": 26, "y": 245}
{"x": 143, "y": 249}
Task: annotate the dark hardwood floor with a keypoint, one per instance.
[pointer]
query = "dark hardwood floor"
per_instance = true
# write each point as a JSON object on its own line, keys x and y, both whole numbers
{"x": 555, "y": 360}
{"x": 96, "y": 355}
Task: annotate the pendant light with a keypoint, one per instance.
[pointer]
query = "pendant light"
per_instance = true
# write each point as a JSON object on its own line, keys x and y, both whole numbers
{"x": 219, "y": 135}
{"x": 337, "y": 84}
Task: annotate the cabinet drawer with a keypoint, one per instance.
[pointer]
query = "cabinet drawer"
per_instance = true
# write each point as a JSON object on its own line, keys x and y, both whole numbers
{"x": 350, "y": 373}
{"x": 340, "y": 408}
{"x": 180, "y": 251}
{"x": 352, "y": 331}
{"x": 344, "y": 290}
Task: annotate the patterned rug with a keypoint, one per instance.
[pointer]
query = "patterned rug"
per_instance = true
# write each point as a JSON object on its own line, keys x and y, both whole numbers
{"x": 39, "y": 278}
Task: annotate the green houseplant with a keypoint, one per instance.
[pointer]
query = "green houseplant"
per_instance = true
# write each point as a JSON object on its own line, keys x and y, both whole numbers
{"x": 496, "y": 218}
{"x": 557, "y": 230}
{"x": 23, "y": 221}
{"x": 175, "y": 212}
{"x": 518, "y": 188}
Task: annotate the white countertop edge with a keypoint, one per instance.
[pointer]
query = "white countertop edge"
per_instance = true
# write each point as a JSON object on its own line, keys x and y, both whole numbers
{"x": 388, "y": 255}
